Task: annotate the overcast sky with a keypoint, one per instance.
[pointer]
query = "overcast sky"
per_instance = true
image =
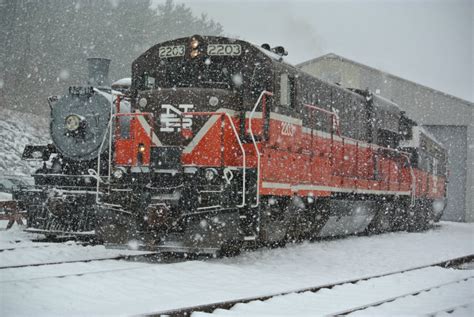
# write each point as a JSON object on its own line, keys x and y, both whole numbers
{"x": 427, "y": 41}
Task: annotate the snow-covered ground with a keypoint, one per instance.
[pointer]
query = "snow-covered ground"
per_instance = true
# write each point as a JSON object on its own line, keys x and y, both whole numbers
{"x": 5, "y": 196}
{"x": 17, "y": 129}
{"x": 126, "y": 288}
{"x": 339, "y": 299}
{"x": 27, "y": 252}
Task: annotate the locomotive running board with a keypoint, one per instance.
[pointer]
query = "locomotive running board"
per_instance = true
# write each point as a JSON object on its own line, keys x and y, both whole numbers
{"x": 167, "y": 248}
{"x": 61, "y": 233}
{"x": 188, "y": 250}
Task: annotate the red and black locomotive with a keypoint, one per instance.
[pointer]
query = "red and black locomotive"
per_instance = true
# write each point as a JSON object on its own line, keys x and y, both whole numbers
{"x": 228, "y": 145}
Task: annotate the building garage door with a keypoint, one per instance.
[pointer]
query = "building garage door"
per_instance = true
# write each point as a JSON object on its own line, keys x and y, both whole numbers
{"x": 454, "y": 139}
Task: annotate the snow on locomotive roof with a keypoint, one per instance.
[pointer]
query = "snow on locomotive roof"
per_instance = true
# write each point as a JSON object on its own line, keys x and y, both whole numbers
{"x": 270, "y": 54}
{"x": 415, "y": 141}
{"x": 127, "y": 81}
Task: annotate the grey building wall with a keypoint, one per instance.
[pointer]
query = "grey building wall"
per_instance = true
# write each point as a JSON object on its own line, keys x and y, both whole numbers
{"x": 448, "y": 117}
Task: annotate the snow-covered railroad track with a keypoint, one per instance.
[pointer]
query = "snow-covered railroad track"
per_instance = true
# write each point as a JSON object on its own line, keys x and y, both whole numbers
{"x": 457, "y": 308}
{"x": 328, "y": 291}
{"x": 116, "y": 257}
{"x": 34, "y": 246}
{"x": 417, "y": 292}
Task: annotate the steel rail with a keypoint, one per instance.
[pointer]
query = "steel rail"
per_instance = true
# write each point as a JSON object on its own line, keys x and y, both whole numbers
{"x": 394, "y": 298}
{"x": 226, "y": 305}
{"x": 117, "y": 257}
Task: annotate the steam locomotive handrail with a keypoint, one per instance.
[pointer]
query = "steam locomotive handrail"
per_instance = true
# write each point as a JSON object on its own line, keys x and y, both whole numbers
{"x": 244, "y": 157}
{"x": 98, "y": 179}
{"x": 262, "y": 94}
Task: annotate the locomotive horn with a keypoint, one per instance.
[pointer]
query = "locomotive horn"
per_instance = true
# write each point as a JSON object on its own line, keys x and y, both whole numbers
{"x": 98, "y": 72}
{"x": 280, "y": 50}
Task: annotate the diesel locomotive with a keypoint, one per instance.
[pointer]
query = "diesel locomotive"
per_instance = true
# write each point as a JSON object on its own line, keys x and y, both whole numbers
{"x": 228, "y": 146}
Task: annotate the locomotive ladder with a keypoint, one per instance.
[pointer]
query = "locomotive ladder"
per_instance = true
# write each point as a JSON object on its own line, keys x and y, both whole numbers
{"x": 251, "y": 227}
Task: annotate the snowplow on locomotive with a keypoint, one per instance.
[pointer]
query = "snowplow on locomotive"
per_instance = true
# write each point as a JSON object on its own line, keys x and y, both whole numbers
{"x": 228, "y": 146}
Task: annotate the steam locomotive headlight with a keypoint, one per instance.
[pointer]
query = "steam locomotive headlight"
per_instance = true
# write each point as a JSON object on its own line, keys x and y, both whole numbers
{"x": 118, "y": 173}
{"x": 142, "y": 102}
{"x": 213, "y": 101}
{"x": 210, "y": 174}
{"x": 73, "y": 122}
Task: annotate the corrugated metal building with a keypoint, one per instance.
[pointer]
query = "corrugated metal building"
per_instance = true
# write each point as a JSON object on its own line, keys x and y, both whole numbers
{"x": 448, "y": 118}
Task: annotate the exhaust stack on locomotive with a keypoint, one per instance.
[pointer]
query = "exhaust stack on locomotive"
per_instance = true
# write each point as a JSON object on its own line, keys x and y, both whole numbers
{"x": 98, "y": 72}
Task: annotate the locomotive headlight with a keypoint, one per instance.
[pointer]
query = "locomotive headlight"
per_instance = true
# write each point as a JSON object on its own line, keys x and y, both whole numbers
{"x": 118, "y": 173}
{"x": 73, "y": 122}
{"x": 194, "y": 43}
{"x": 194, "y": 53}
{"x": 210, "y": 174}
{"x": 213, "y": 101}
{"x": 141, "y": 148}
{"x": 142, "y": 102}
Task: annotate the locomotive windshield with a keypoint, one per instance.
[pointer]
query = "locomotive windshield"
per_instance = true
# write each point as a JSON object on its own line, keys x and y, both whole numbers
{"x": 201, "y": 73}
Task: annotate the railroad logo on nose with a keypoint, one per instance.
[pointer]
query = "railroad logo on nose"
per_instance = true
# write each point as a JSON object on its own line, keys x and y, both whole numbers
{"x": 172, "y": 119}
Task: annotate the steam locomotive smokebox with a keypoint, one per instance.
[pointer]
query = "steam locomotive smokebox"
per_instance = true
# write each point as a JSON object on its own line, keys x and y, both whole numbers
{"x": 79, "y": 122}
{"x": 98, "y": 72}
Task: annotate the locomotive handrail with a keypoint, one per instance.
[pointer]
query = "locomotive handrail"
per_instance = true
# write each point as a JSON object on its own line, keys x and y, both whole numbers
{"x": 334, "y": 116}
{"x": 244, "y": 157}
{"x": 413, "y": 180}
{"x": 335, "y": 119}
{"x": 109, "y": 131}
{"x": 98, "y": 179}
{"x": 261, "y": 97}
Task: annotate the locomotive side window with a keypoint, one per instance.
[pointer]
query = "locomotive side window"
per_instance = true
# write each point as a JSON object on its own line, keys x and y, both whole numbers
{"x": 287, "y": 90}
{"x": 149, "y": 81}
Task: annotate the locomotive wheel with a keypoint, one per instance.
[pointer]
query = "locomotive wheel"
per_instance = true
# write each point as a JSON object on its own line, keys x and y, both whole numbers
{"x": 420, "y": 216}
{"x": 231, "y": 248}
{"x": 383, "y": 219}
{"x": 401, "y": 215}
{"x": 274, "y": 223}
{"x": 321, "y": 216}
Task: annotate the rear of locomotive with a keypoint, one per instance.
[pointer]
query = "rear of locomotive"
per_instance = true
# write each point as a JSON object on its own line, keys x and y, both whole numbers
{"x": 185, "y": 162}
{"x": 429, "y": 158}
{"x": 61, "y": 201}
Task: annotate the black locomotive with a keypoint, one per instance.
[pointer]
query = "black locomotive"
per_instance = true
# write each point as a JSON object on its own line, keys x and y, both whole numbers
{"x": 62, "y": 200}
